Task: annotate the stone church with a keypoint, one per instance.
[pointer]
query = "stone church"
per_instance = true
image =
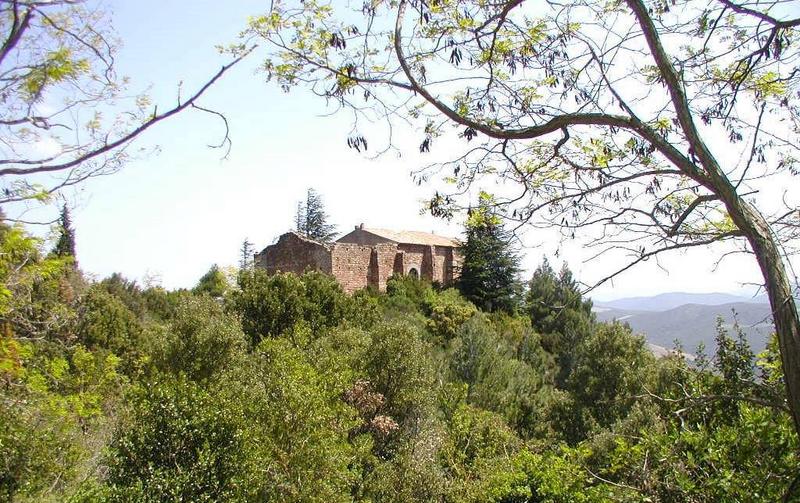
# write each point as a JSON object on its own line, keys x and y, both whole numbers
{"x": 366, "y": 257}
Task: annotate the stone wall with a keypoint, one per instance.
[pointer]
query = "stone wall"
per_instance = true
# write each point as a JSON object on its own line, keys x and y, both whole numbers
{"x": 385, "y": 257}
{"x": 442, "y": 265}
{"x": 413, "y": 258}
{"x": 357, "y": 266}
{"x": 293, "y": 253}
{"x": 350, "y": 265}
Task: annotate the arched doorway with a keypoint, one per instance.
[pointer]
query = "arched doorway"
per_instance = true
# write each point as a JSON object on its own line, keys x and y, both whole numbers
{"x": 413, "y": 273}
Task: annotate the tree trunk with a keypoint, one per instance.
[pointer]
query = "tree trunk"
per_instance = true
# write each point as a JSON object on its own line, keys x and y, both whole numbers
{"x": 779, "y": 289}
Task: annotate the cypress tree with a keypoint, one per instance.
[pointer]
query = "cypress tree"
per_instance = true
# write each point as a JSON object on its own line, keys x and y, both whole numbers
{"x": 489, "y": 273}
{"x": 65, "y": 246}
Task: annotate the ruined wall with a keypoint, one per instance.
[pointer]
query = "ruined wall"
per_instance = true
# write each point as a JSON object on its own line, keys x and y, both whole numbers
{"x": 294, "y": 254}
{"x": 357, "y": 266}
{"x": 453, "y": 268}
{"x": 350, "y": 265}
{"x": 456, "y": 260}
{"x": 434, "y": 263}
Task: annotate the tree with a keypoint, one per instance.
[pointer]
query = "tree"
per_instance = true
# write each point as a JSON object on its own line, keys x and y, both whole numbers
{"x": 31, "y": 295}
{"x": 660, "y": 127}
{"x": 272, "y": 305}
{"x": 612, "y": 367}
{"x": 213, "y": 283}
{"x": 246, "y": 255}
{"x": 65, "y": 246}
{"x": 300, "y": 217}
{"x": 558, "y": 312}
{"x": 201, "y": 340}
{"x": 490, "y": 265}
{"x": 311, "y": 220}
{"x": 62, "y": 96}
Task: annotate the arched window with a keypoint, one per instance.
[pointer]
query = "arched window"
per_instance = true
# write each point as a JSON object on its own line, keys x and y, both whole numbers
{"x": 413, "y": 273}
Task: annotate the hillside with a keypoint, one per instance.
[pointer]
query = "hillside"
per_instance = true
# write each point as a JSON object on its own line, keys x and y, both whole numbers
{"x": 671, "y": 300}
{"x": 692, "y": 324}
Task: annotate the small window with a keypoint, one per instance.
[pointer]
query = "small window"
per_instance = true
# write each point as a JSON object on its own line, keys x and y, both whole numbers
{"x": 413, "y": 273}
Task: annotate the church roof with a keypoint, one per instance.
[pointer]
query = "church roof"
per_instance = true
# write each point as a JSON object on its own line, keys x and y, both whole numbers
{"x": 413, "y": 237}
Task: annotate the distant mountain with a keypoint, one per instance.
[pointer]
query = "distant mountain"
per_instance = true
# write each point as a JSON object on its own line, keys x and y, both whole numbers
{"x": 666, "y": 301}
{"x": 694, "y": 323}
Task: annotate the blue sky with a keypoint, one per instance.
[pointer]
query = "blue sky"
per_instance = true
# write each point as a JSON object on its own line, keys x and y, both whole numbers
{"x": 175, "y": 213}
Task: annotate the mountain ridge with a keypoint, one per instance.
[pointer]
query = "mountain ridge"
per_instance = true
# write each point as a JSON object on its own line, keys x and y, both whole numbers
{"x": 671, "y": 300}
{"x": 692, "y": 324}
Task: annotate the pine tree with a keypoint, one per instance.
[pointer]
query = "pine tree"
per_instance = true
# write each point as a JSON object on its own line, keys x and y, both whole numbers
{"x": 559, "y": 312}
{"x": 300, "y": 218}
{"x": 490, "y": 264}
{"x": 311, "y": 220}
{"x": 65, "y": 246}
{"x": 246, "y": 255}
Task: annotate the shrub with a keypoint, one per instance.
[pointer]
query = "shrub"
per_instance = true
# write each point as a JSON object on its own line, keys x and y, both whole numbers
{"x": 106, "y": 322}
{"x": 200, "y": 340}
{"x": 269, "y": 305}
{"x": 181, "y": 443}
{"x": 447, "y": 312}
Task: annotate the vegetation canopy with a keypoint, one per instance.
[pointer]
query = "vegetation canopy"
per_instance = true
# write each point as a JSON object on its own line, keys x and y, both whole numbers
{"x": 284, "y": 388}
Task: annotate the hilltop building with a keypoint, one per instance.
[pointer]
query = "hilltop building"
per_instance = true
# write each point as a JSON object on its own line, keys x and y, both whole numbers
{"x": 366, "y": 257}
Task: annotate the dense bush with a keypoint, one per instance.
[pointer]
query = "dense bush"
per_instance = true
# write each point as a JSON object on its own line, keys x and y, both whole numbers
{"x": 53, "y": 410}
{"x": 181, "y": 443}
{"x": 285, "y": 388}
{"x": 106, "y": 322}
{"x": 270, "y": 306}
{"x": 199, "y": 341}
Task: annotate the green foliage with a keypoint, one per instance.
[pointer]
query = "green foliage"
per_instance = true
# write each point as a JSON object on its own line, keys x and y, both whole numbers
{"x": 271, "y": 305}
{"x": 497, "y": 380}
{"x": 479, "y": 444}
{"x": 213, "y": 283}
{"x": 311, "y": 220}
{"x": 558, "y": 312}
{"x": 32, "y": 287}
{"x": 106, "y": 322}
{"x": 416, "y": 395}
{"x": 246, "y": 255}
{"x": 200, "y": 340}
{"x": 490, "y": 267}
{"x": 407, "y": 294}
{"x": 555, "y": 477}
{"x": 58, "y": 66}
{"x": 447, "y": 312}
{"x": 612, "y": 370}
{"x": 65, "y": 246}
{"x": 160, "y": 304}
{"x": 299, "y": 427}
{"x": 400, "y": 368}
{"x": 181, "y": 443}
{"x": 51, "y": 410}
{"x": 126, "y": 290}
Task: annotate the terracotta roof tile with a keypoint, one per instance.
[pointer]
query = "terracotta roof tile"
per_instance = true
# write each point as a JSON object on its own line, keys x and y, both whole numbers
{"x": 413, "y": 237}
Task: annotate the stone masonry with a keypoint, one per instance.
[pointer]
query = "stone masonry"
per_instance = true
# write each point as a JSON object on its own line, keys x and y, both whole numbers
{"x": 366, "y": 257}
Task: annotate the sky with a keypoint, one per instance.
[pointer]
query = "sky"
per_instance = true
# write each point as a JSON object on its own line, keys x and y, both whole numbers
{"x": 173, "y": 214}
